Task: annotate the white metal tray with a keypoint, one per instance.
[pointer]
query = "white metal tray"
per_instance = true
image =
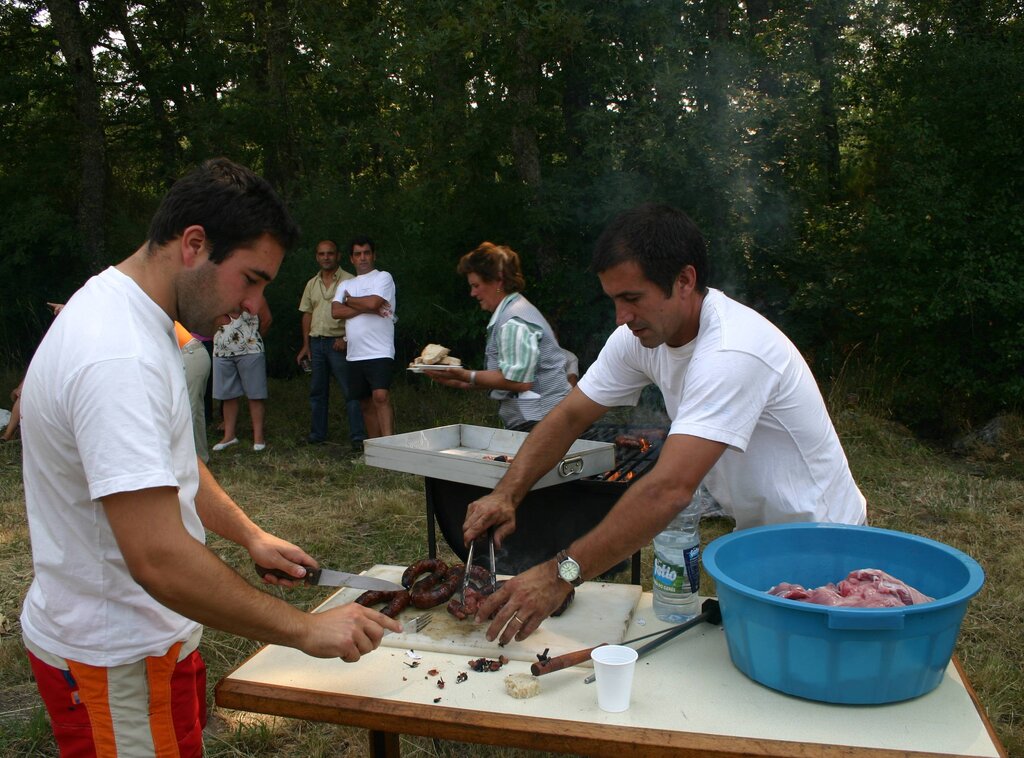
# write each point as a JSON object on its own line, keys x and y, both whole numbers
{"x": 456, "y": 453}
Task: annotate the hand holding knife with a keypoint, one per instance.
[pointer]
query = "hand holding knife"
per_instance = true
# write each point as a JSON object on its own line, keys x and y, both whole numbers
{"x": 321, "y": 577}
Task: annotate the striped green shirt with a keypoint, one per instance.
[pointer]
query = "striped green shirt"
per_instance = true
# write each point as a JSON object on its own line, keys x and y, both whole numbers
{"x": 522, "y": 346}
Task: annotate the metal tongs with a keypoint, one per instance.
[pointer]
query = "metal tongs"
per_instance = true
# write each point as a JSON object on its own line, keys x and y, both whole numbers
{"x": 469, "y": 565}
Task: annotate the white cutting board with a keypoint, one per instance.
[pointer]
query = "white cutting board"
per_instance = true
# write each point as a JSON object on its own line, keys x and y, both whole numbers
{"x": 600, "y": 612}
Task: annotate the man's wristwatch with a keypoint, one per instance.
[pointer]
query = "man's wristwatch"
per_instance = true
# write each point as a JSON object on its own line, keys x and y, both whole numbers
{"x": 568, "y": 569}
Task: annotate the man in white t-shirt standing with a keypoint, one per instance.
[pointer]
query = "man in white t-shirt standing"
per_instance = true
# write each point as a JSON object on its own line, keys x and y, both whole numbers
{"x": 747, "y": 417}
{"x": 118, "y": 503}
{"x": 367, "y": 303}
{"x": 325, "y": 347}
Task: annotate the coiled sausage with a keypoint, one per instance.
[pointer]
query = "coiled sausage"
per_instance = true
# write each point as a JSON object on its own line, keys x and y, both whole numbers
{"x": 436, "y": 592}
{"x": 423, "y": 592}
{"x": 433, "y": 565}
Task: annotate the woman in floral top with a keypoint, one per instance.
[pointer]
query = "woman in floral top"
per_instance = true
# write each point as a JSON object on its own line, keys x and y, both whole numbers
{"x": 240, "y": 368}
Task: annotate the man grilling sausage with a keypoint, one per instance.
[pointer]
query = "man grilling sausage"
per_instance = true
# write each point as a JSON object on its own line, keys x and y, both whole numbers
{"x": 747, "y": 418}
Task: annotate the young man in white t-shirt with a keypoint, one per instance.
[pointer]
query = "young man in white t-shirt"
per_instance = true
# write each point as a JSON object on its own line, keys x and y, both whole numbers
{"x": 747, "y": 417}
{"x": 367, "y": 303}
{"x": 118, "y": 503}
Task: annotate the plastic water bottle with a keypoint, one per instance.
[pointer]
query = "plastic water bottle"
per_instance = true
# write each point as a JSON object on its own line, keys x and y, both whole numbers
{"x": 677, "y": 566}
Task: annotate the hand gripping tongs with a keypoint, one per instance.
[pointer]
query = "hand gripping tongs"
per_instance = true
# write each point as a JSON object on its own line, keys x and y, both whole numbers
{"x": 469, "y": 566}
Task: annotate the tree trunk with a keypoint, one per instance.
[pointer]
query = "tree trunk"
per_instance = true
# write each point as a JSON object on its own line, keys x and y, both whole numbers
{"x": 526, "y": 149}
{"x": 523, "y": 94}
{"x": 69, "y": 27}
{"x": 575, "y": 103}
{"x": 826, "y": 19}
{"x": 718, "y": 135}
{"x": 166, "y": 136}
{"x": 759, "y": 14}
{"x": 279, "y": 146}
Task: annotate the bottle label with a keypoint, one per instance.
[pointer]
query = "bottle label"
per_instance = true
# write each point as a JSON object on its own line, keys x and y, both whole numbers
{"x": 678, "y": 580}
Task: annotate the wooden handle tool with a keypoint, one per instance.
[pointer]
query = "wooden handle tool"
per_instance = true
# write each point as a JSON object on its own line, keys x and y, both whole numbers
{"x": 560, "y": 662}
{"x": 709, "y": 613}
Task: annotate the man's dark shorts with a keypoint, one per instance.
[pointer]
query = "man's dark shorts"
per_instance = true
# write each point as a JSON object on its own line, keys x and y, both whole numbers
{"x": 366, "y": 376}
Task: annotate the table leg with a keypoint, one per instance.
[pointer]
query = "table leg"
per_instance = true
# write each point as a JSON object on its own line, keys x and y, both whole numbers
{"x": 428, "y": 490}
{"x": 384, "y": 745}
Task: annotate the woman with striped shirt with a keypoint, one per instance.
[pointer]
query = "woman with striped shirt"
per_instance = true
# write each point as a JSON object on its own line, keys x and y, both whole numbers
{"x": 525, "y": 369}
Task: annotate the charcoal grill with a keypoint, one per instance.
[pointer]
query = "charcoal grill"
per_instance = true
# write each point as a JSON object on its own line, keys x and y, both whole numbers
{"x": 630, "y": 463}
{"x": 557, "y": 511}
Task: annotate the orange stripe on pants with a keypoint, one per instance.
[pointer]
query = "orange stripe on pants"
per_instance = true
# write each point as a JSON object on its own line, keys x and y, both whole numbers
{"x": 95, "y": 695}
{"x": 161, "y": 718}
{"x": 154, "y": 707}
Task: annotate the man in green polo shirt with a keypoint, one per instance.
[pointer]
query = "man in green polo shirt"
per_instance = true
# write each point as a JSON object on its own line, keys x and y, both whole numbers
{"x": 324, "y": 346}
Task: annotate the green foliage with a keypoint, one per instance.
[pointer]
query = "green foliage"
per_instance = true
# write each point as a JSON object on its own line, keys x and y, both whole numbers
{"x": 924, "y": 266}
{"x": 855, "y": 165}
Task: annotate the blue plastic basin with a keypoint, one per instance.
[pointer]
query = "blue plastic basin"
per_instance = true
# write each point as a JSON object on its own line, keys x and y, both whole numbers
{"x": 839, "y": 655}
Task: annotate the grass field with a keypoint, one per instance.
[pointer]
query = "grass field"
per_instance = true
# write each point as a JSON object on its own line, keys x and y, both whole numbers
{"x": 351, "y": 515}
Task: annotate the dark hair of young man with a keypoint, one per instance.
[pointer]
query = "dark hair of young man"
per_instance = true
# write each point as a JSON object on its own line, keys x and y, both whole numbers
{"x": 362, "y": 240}
{"x": 660, "y": 239}
{"x": 232, "y": 204}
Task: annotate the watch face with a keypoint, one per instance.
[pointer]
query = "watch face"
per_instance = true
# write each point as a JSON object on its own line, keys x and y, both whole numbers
{"x": 568, "y": 569}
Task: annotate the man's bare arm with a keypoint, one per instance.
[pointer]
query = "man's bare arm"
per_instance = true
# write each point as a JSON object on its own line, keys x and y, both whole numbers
{"x": 342, "y": 310}
{"x": 543, "y": 448}
{"x": 221, "y": 515}
{"x": 354, "y": 306}
{"x": 643, "y": 511}
{"x": 182, "y": 574}
{"x": 483, "y": 379}
{"x": 307, "y": 324}
{"x": 366, "y": 303}
{"x": 648, "y": 504}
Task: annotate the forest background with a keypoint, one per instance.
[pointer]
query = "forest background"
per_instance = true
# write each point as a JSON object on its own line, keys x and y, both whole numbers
{"x": 855, "y": 164}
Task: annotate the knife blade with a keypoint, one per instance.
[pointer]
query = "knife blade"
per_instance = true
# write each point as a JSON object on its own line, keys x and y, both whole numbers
{"x": 322, "y": 577}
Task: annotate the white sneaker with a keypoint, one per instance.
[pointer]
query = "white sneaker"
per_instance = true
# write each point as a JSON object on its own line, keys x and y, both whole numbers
{"x": 259, "y": 446}
{"x": 222, "y": 445}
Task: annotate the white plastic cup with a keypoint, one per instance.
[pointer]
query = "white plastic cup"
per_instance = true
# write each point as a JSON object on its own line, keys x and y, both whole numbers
{"x": 613, "y": 667}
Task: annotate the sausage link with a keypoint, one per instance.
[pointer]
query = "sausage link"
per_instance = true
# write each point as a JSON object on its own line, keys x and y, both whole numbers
{"x": 430, "y": 591}
{"x": 433, "y": 565}
{"x": 436, "y": 593}
{"x": 398, "y": 604}
{"x": 454, "y": 574}
{"x": 371, "y": 598}
{"x": 396, "y": 601}
{"x": 425, "y": 590}
{"x": 476, "y": 591}
{"x": 464, "y": 609}
{"x": 479, "y": 575}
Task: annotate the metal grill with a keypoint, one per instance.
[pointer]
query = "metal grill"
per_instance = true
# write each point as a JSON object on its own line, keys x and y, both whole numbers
{"x": 630, "y": 462}
{"x": 549, "y": 519}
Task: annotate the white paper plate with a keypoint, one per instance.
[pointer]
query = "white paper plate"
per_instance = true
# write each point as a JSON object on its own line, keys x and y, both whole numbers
{"x": 420, "y": 368}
